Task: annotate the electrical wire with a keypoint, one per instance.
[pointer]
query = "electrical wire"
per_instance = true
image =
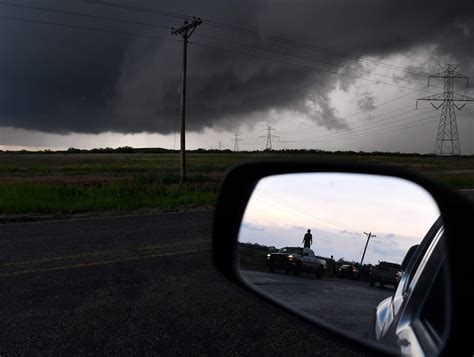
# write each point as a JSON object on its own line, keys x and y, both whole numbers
{"x": 299, "y": 65}
{"x": 67, "y": 12}
{"x": 78, "y": 27}
{"x": 254, "y": 33}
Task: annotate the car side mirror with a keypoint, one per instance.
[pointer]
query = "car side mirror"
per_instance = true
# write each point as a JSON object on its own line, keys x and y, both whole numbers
{"x": 409, "y": 256}
{"x": 362, "y": 215}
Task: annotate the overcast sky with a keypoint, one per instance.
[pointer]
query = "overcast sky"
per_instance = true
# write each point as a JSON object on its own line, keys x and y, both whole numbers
{"x": 350, "y": 83}
{"x": 339, "y": 208}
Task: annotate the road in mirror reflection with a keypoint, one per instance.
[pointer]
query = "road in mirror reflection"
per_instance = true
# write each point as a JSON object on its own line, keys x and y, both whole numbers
{"x": 331, "y": 245}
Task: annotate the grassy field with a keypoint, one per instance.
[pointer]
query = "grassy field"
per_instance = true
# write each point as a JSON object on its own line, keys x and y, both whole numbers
{"x": 77, "y": 183}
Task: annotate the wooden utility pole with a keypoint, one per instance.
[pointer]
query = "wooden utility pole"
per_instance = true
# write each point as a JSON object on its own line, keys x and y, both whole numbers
{"x": 185, "y": 32}
{"x": 369, "y": 235}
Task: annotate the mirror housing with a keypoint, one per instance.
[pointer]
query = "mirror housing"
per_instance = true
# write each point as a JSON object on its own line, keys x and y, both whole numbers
{"x": 409, "y": 255}
{"x": 457, "y": 212}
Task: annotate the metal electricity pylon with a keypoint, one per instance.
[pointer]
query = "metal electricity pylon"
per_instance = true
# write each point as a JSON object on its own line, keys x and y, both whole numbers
{"x": 236, "y": 142}
{"x": 269, "y": 137}
{"x": 447, "y": 139}
{"x": 185, "y": 32}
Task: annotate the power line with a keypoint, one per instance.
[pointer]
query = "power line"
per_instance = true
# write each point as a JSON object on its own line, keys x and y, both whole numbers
{"x": 426, "y": 121}
{"x": 372, "y": 124}
{"x": 138, "y": 9}
{"x": 310, "y": 47}
{"x": 166, "y": 39}
{"x": 132, "y": 34}
{"x": 284, "y": 208}
{"x": 254, "y": 33}
{"x": 299, "y": 65}
{"x": 257, "y": 34}
{"x": 350, "y": 136}
{"x": 67, "y": 12}
{"x": 288, "y": 204}
{"x": 302, "y": 57}
{"x": 375, "y": 123}
{"x": 373, "y": 132}
{"x": 197, "y": 44}
{"x": 360, "y": 112}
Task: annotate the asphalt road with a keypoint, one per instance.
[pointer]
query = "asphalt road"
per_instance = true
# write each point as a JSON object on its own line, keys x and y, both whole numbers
{"x": 344, "y": 304}
{"x": 136, "y": 285}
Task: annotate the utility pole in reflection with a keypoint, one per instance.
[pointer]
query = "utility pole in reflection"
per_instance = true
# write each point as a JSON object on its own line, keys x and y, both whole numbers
{"x": 185, "y": 31}
{"x": 369, "y": 235}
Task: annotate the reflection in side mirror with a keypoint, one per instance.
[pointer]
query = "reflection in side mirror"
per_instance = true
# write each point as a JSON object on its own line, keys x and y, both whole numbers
{"x": 336, "y": 247}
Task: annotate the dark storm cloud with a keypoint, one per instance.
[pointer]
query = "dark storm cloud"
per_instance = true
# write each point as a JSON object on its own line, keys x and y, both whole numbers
{"x": 62, "y": 80}
{"x": 366, "y": 103}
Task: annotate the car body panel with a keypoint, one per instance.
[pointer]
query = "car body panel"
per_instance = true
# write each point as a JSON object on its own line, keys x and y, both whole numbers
{"x": 397, "y": 321}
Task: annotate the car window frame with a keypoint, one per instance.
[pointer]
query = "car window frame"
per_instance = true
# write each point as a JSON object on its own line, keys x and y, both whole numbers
{"x": 417, "y": 292}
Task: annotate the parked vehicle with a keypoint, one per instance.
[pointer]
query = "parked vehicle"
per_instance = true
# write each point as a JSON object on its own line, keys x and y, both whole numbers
{"x": 385, "y": 273}
{"x": 296, "y": 260}
{"x": 347, "y": 271}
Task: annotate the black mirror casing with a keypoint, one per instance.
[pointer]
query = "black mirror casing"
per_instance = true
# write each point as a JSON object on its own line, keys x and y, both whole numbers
{"x": 408, "y": 256}
{"x": 456, "y": 210}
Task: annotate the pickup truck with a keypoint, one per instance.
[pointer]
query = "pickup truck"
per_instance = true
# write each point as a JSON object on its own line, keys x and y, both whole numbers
{"x": 296, "y": 260}
{"x": 385, "y": 273}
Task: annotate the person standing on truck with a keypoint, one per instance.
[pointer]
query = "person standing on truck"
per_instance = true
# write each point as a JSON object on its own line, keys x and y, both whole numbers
{"x": 308, "y": 239}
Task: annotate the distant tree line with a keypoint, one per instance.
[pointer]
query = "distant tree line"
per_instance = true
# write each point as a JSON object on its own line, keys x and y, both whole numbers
{"x": 132, "y": 150}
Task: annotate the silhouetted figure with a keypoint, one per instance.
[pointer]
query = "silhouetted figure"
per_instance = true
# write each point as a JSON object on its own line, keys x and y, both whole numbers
{"x": 308, "y": 239}
{"x": 333, "y": 265}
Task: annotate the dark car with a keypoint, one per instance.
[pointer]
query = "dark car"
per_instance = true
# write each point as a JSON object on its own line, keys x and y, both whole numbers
{"x": 385, "y": 273}
{"x": 296, "y": 260}
{"x": 347, "y": 271}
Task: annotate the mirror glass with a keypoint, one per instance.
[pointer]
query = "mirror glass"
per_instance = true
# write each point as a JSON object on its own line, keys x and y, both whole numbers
{"x": 350, "y": 250}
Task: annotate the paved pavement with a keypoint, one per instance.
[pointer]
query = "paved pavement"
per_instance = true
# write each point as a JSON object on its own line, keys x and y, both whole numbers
{"x": 135, "y": 285}
{"x": 344, "y": 304}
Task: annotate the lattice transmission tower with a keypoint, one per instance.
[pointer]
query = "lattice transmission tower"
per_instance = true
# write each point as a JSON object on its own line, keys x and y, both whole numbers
{"x": 269, "y": 136}
{"x": 236, "y": 142}
{"x": 447, "y": 139}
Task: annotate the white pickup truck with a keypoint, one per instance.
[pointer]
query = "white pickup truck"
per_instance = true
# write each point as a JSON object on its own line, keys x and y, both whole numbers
{"x": 296, "y": 260}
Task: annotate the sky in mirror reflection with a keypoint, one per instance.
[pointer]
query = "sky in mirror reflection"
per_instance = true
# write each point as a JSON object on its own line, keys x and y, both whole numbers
{"x": 338, "y": 208}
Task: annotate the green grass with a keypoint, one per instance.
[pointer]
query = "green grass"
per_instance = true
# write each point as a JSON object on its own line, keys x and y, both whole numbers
{"x": 31, "y": 197}
{"x": 51, "y": 183}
